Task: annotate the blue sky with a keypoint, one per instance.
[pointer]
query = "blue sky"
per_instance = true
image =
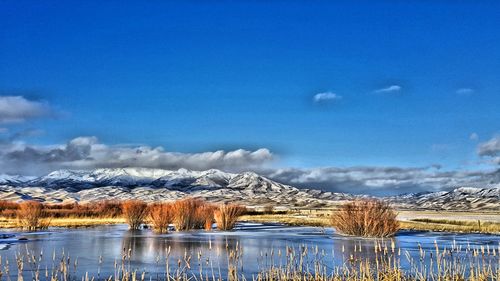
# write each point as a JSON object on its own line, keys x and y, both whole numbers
{"x": 196, "y": 76}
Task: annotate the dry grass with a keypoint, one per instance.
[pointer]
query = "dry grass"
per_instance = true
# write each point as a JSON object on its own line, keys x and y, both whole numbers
{"x": 160, "y": 216}
{"x": 367, "y": 218}
{"x": 288, "y": 219}
{"x": 451, "y": 226}
{"x": 134, "y": 212}
{"x": 269, "y": 209}
{"x": 226, "y": 215}
{"x": 99, "y": 209}
{"x": 110, "y": 212}
{"x": 31, "y": 216}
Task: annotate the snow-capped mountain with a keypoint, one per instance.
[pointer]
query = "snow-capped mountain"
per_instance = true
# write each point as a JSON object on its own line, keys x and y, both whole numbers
{"x": 157, "y": 184}
{"x": 463, "y": 198}
{"x": 247, "y": 188}
{"x": 13, "y": 179}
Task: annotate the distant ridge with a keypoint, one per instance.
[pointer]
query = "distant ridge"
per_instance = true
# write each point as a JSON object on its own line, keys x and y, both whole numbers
{"x": 247, "y": 188}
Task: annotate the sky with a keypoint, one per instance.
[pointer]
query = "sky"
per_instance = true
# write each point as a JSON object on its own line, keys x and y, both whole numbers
{"x": 374, "y": 97}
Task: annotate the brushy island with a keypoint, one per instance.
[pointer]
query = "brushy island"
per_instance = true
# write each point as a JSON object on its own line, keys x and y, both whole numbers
{"x": 185, "y": 214}
{"x": 366, "y": 217}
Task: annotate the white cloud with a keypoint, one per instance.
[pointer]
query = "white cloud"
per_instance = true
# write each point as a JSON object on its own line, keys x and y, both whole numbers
{"x": 465, "y": 91}
{"x": 88, "y": 153}
{"x": 490, "y": 148}
{"x": 389, "y": 89}
{"x": 474, "y": 137}
{"x": 326, "y": 96}
{"x": 16, "y": 109}
{"x": 18, "y": 157}
{"x": 383, "y": 180}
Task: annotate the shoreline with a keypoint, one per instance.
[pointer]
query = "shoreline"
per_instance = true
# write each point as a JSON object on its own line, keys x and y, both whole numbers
{"x": 456, "y": 226}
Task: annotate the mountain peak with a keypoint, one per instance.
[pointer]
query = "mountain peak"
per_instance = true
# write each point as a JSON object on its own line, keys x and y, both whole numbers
{"x": 247, "y": 188}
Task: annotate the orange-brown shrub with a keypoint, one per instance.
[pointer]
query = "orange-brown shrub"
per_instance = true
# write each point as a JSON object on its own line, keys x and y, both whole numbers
{"x": 186, "y": 214}
{"x": 226, "y": 215}
{"x": 107, "y": 208}
{"x": 31, "y": 215}
{"x": 134, "y": 211}
{"x": 8, "y": 205}
{"x": 205, "y": 216}
{"x": 366, "y": 217}
{"x": 8, "y": 209}
{"x": 98, "y": 209}
{"x": 161, "y": 216}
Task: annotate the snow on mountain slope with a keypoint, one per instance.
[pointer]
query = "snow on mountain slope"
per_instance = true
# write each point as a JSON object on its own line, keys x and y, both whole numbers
{"x": 247, "y": 188}
{"x": 13, "y": 179}
{"x": 127, "y": 177}
{"x": 463, "y": 198}
{"x": 156, "y": 184}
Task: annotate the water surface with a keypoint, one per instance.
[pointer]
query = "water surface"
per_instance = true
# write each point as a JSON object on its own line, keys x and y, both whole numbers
{"x": 96, "y": 249}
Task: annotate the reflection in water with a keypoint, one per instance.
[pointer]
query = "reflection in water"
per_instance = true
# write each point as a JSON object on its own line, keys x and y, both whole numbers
{"x": 259, "y": 246}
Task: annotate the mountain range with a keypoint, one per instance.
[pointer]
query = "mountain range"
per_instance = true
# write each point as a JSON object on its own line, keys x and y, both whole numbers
{"x": 217, "y": 186}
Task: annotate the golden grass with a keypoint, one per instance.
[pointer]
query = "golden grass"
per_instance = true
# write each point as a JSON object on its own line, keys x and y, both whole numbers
{"x": 317, "y": 218}
{"x": 451, "y": 226}
{"x": 67, "y": 222}
{"x": 289, "y": 219}
{"x": 109, "y": 212}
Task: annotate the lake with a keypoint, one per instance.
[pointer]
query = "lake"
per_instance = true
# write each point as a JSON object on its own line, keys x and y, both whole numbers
{"x": 96, "y": 249}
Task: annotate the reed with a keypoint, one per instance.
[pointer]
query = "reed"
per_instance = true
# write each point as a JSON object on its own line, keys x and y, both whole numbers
{"x": 135, "y": 212}
{"x": 366, "y": 217}
{"x": 451, "y": 262}
{"x": 226, "y": 215}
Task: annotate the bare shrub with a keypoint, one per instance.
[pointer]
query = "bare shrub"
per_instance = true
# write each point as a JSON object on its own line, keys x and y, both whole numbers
{"x": 368, "y": 218}
{"x": 185, "y": 213}
{"x": 134, "y": 211}
{"x": 96, "y": 209}
{"x": 205, "y": 216}
{"x": 107, "y": 208}
{"x": 31, "y": 215}
{"x": 161, "y": 215}
{"x": 226, "y": 215}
